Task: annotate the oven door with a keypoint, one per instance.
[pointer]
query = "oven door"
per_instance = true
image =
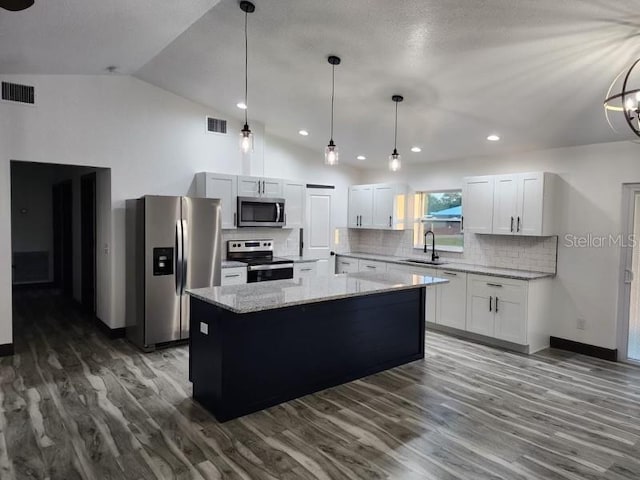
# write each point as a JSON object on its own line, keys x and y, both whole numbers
{"x": 264, "y": 273}
{"x": 260, "y": 212}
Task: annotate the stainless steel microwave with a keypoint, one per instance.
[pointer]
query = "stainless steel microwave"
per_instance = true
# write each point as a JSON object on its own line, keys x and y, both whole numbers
{"x": 260, "y": 212}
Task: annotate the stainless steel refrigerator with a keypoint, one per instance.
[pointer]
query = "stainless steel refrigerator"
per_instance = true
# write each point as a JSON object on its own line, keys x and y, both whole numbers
{"x": 172, "y": 243}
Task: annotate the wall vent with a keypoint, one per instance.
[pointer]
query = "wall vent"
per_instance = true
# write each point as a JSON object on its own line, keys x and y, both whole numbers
{"x": 216, "y": 125}
{"x": 14, "y": 92}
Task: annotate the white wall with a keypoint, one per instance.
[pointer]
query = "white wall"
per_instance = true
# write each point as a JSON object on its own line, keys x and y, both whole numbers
{"x": 590, "y": 203}
{"x": 153, "y": 141}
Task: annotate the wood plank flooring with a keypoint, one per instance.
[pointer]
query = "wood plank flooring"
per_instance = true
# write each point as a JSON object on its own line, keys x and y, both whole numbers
{"x": 76, "y": 405}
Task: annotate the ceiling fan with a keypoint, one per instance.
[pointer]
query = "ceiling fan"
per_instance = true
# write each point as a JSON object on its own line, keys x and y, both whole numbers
{"x": 15, "y": 5}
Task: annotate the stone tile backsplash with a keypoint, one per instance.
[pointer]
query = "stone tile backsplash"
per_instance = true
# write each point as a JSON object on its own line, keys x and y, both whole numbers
{"x": 522, "y": 253}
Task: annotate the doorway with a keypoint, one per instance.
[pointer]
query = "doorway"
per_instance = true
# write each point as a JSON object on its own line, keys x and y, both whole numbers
{"x": 63, "y": 236}
{"x": 88, "y": 241}
{"x": 317, "y": 233}
{"x": 629, "y": 321}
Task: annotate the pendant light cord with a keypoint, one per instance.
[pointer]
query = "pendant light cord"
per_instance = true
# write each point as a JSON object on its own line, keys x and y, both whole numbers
{"x": 333, "y": 91}
{"x": 395, "y": 137}
{"x": 246, "y": 67}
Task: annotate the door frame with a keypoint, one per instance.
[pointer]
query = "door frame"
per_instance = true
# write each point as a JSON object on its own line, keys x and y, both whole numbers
{"x": 88, "y": 235}
{"x": 629, "y": 191}
{"x": 62, "y": 195}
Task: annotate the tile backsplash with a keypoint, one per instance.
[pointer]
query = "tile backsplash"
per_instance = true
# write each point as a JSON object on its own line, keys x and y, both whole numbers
{"x": 522, "y": 253}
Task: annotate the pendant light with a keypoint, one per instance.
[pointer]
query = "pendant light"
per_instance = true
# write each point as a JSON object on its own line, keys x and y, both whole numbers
{"x": 395, "y": 158}
{"x": 331, "y": 155}
{"x": 246, "y": 136}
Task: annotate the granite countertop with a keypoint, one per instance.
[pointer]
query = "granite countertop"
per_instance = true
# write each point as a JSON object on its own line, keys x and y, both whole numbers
{"x": 232, "y": 264}
{"x": 456, "y": 267}
{"x": 256, "y": 297}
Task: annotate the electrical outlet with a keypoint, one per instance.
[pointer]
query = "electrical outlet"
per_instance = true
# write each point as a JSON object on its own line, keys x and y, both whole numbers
{"x": 581, "y": 324}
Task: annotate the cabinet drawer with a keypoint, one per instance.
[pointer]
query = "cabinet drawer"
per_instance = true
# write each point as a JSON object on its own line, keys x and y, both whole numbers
{"x": 371, "y": 266}
{"x": 307, "y": 269}
{"x": 234, "y": 276}
{"x": 346, "y": 265}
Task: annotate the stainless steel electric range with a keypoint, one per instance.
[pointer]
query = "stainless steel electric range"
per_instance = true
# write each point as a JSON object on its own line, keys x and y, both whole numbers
{"x": 261, "y": 264}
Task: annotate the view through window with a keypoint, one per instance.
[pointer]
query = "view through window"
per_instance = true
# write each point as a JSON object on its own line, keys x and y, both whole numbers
{"x": 440, "y": 212}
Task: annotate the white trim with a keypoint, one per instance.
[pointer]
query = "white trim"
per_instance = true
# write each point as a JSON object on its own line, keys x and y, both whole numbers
{"x": 629, "y": 192}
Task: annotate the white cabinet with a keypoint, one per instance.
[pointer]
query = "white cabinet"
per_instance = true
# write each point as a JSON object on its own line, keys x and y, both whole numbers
{"x": 234, "y": 276}
{"x": 451, "y": 300}
{"x": 522, "y": 204}
{"x": 224, "y": 187}
{"x": 380, "y": 206}
{"x": 293, "y": 194}
{"x": 360, "y": 206}
{"x": 477, "y": 202}
{"x": 259, "y": 187}
{"x": 497, "y": 307}
{"x": 306, "y": 269}
{"x": 346, "y": 265}
{"x": 371, "y": 266}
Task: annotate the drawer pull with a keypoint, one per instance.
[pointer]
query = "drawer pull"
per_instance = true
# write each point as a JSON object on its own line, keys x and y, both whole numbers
{"x": 370, "y": 266}
{"x": 494, "y": 285}
{"x": 306, "y": 269}
{"x": 232, "y": 276}
{"x": 451, "y": 273}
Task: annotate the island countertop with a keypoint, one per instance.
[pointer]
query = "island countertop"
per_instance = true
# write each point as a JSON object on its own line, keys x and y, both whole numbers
{"x": 256, "y": 297}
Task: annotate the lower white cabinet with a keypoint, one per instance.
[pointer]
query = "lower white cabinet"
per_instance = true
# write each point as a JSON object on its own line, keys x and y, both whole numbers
{"x": 371, "y": 266}
{"x": 451, "y": 299}
{"x": 306, "y": 269}
{"x": 234, "y": 276}
{"x": 498, "y": 307}
{"x": 347, "y": 265}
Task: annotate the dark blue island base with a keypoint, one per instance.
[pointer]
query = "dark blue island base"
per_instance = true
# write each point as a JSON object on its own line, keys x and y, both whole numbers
{"x": 251, "y": 361}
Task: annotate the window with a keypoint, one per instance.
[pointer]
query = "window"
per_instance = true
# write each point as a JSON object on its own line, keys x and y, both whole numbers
{"x": 440, "y": 212}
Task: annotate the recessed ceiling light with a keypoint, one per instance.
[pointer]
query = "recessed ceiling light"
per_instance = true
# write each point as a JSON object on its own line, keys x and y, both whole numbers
{"x": 241, "y": 105}
{"x": 493, "y": 138}
{"x": 416, "y": 149}
{"x": 361, "y": 157}
{"x": 304, "y": 133}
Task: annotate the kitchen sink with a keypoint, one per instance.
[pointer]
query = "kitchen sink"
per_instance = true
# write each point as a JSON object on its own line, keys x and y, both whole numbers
{"x": 425, "y": 262}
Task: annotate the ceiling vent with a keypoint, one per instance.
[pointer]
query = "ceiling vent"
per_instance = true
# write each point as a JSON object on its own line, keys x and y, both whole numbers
{"x": 216, "y": 125}
{"x": 14, "y": 92}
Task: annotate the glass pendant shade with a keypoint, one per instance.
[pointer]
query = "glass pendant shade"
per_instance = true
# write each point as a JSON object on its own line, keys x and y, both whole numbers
{"x": 395, "y": 161}
{"x": 331, "y": 154}
{"x": 246, "y": 140}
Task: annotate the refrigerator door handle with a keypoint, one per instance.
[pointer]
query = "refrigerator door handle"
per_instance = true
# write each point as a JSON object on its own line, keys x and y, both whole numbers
{"x": 185, "y": 254}
{"x": 178, "y": 273}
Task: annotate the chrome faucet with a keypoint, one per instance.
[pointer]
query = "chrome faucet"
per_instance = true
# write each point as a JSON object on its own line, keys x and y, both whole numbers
{"x": 434, "y": 255}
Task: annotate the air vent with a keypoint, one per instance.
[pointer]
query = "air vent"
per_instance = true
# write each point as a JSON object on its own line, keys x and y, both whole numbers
{"x": 216, "y": 125}
{"x": 14, "y": 92}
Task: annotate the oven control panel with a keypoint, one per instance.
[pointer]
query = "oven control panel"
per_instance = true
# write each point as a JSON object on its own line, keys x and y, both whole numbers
{"x": 236, "y": 246}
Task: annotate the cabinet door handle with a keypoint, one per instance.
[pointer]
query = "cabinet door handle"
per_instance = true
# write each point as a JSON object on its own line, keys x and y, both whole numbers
{"x": 496, "y": 304}
{"x": 264, "y": 186}
{"x": 235, "y": 219}
{"x": 232, "y": 276}
{"x": 490, "y": 301}
{"x": 390, "y": 221}
{"x": 462, "y": 223}
{"x": 511, "y": 224}
{"x": 494, "y": 285}
{"x": 518, "y": 229}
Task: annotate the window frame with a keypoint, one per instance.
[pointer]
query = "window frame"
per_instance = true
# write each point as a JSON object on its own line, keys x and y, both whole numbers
{"x": 420, "y": 221}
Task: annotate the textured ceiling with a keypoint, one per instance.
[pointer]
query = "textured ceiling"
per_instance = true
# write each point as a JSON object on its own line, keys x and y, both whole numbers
{"x": 533, "y": 71}
{"x": 86, "y": 36}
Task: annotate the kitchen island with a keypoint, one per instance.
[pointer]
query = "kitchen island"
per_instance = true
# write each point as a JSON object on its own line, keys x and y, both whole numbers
{"x": 257, "y": 345}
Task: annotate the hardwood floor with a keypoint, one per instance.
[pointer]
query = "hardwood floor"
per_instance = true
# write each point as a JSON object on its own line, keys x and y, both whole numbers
{"x": 78, "y": 405}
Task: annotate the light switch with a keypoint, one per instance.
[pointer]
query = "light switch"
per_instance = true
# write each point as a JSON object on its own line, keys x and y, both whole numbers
{"x": 204, "y": 328}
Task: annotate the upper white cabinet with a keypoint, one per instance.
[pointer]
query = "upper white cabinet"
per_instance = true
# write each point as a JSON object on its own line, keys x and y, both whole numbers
{"x": 477, "y": 198}
{"x": 259, "y": 187}
{"x": 521, "y": 204}
{"x": 360, "y": 206}
{"x": 379, "y": 206}
{"x": 224, "y": 187}
{"x": 294, "y": 195}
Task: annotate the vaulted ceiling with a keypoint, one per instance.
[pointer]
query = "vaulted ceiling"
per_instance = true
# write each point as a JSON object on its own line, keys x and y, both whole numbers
{"x": 533, "y": 72}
